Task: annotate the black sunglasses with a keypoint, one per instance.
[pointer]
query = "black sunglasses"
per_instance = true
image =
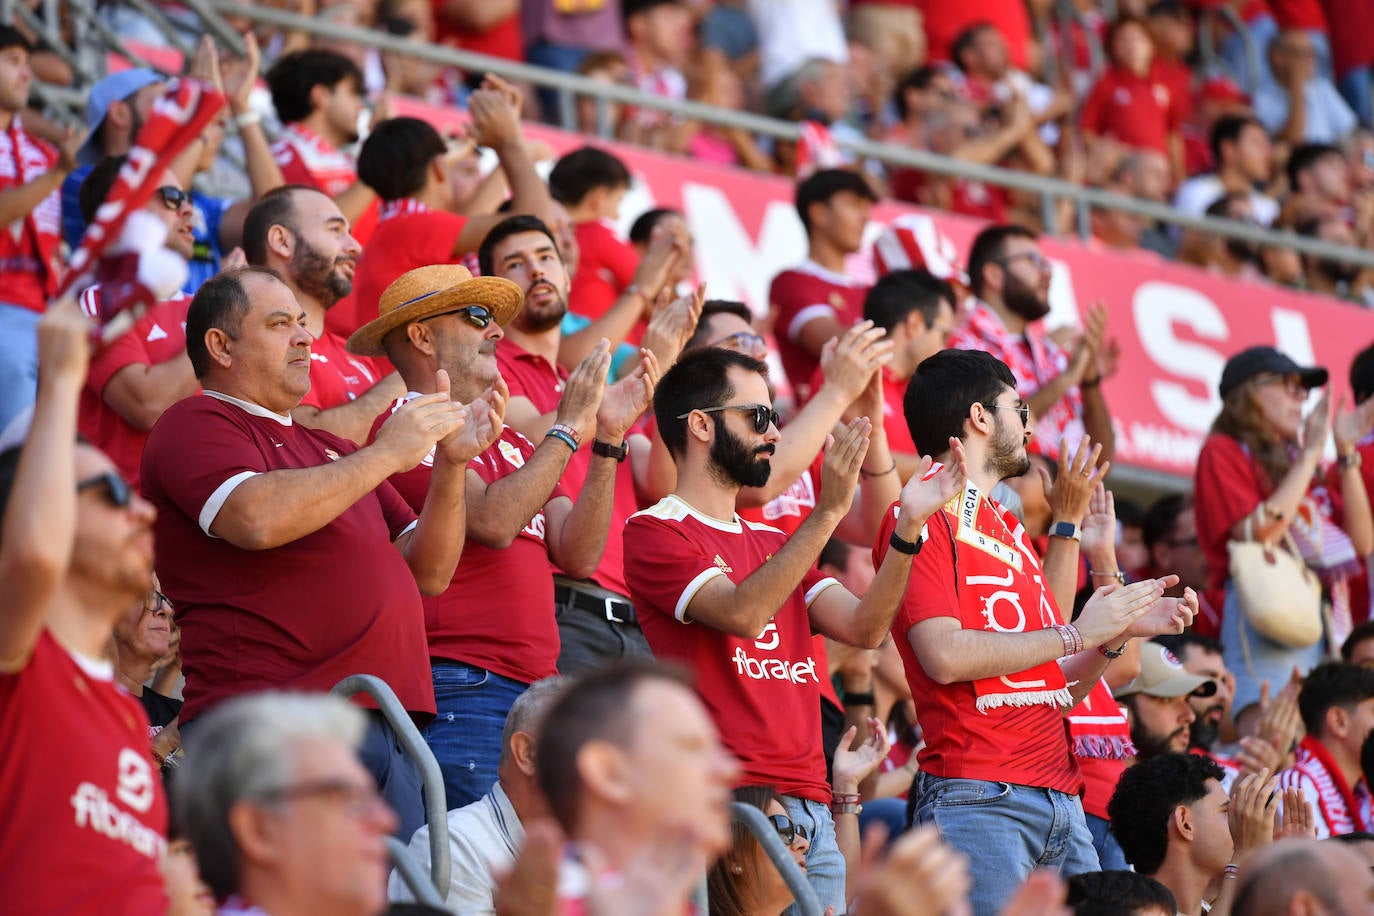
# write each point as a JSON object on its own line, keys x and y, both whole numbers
{"x": 478, "y": 315}
{"x": 173, "y": 198}
{"x": 764, "y": 416}
{"x": 117, "y": 489}
{"x": 788, "y": 832}
{"x": 1022, "y": 409}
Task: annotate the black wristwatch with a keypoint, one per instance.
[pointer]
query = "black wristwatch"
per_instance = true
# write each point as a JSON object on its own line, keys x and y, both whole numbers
{"x": 901, "y": 545}
{"x": 606, "y": 450}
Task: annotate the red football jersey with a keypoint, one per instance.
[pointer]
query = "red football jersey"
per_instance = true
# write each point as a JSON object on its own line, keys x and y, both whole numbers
{"x": 85, "y": 822}
{"x": 763, "y": 693}
{"x": 1025, "y": 745}
{"x": 158, "y": 336}
{"x": 521, "y": 641}
{"x": 800, "y": 295}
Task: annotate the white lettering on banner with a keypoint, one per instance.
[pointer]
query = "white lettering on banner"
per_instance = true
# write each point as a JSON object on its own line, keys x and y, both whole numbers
{"x": 1151, "y": 444}
{"x": 729, "y": 261}
{"x": 1157, "y": 307}
{"x": 1292, "y": 337}
{"x": 774, "y": 669}
{"x": 990, "y": 611}
{"x": 93, "y": 809}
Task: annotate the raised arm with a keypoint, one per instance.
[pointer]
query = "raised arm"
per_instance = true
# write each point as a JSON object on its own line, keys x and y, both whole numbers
{"x": 39, "y": 524}
{"x": 495, "y": 110}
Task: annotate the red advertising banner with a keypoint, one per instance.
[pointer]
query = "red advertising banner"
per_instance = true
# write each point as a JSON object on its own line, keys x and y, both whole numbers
{"x": 1176, "y": 324}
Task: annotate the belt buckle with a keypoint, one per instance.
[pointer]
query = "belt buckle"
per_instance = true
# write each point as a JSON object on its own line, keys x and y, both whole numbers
{"x": 610, "y": 612}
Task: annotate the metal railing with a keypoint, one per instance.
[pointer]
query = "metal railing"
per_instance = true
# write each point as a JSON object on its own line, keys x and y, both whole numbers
{"x": 568, "y": 86}
{"x": 763, "y": 830}
{"x": 435, "y": 890}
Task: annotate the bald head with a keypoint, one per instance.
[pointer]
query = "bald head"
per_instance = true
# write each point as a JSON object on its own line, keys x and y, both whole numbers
{"x": 1294, "y": 877}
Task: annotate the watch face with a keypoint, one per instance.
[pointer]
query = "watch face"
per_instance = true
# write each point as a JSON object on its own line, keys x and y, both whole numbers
{"x": 1065, "y": 530}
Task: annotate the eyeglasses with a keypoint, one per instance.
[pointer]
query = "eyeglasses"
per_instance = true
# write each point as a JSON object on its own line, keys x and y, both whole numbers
{"x": 173, "y": 198}
{"x": 1292, "y": 384}
{"x": 1038, "y": 260}
{"x": 159, "y": 602}
{"x": 117, "y": 489}
{"x": 479, "y": 316}
{"x": 788, "y": 832}
{"x": 357, "y": 800}
{"x": 764, "y": 416}
{"x": 744, "y": 341}
{"x": 1022, "y": 409}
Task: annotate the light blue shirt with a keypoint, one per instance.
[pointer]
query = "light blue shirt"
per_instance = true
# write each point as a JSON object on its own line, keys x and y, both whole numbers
{"x": 1328, "y": 117}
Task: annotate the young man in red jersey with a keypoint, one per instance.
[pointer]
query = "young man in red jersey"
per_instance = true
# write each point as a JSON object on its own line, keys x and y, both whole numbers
{"x": 76, "y": 550}
{"x": 992, "y": 663}
{"x": 737, "y": 601}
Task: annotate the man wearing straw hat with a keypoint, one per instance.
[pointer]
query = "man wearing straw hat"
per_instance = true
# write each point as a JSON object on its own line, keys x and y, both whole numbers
{"x": 493, "y": 632}
{"x": 290, "y": 559}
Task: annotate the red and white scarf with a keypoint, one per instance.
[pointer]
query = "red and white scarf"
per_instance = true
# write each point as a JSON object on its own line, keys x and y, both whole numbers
{"x": 1336, "y": 801}
{"x": 42, "y": 225}
{"x": 1036, "y": 361}
{"x": 1099, "y": 728}
{"x": 1002, "y": 589}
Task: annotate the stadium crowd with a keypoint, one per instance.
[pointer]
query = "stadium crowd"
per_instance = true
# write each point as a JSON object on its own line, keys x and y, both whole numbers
{"x": 446, "y": 428}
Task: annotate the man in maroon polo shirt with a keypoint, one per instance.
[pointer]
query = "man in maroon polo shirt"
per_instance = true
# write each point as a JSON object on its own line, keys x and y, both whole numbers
{"x": 492, "y": 633}
{"x": 291, "y": 561}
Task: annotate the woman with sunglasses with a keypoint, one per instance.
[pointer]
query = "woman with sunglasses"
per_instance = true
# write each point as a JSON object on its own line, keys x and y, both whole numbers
{"x": 744, "y": 881}
{"x": 1260, "y": 469}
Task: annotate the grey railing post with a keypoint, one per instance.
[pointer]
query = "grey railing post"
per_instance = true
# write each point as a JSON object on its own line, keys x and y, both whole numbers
{"x": 436, "y": 808}
{"x": 762, "y": 829}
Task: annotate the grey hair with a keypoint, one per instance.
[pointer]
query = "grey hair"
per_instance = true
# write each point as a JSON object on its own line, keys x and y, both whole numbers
{"x": 527, "y": 714}
{"x": 239, "y": 752}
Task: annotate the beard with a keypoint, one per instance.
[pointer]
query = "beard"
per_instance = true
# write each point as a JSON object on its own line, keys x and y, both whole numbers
{"x": 317, "y": 276}
{"x": 1203, "y": 734}
{"x": 734, "y": 462}
{"x": 1024, "y": 299}
{"x": 1007, "y": 455}
{"x": 1148, "y": 746}
{"x": 537, "y": 319}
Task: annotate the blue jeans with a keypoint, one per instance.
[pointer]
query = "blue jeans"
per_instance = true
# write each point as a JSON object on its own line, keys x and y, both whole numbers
{"x": 890, "y": 812}
{"x": 1109, "y": 854}
{"x": 824, "y": 861}
{"x": 1006, "y": 830}
{"x": 1254, "y": 659}
{"x": 18, "y": 360}
{"x": 1357, "y": 86}
{"x": 397, "y": 774}
{"x": 465, "y": 735}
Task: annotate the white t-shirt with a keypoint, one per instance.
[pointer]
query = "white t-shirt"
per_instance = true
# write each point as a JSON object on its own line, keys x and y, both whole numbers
{"x": 1195, "y": 195}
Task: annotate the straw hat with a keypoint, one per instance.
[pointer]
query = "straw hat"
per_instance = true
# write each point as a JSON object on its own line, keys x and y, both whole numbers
{"x": 426, "y": 291}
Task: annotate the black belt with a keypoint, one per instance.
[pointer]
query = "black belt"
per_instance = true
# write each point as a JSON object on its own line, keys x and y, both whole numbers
{"x": 600, "y": 603}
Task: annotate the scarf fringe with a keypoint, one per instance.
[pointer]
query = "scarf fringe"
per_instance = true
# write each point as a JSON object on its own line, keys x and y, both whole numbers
{"x": 1103, "y": 747}
{"x": 1062, "y": 698}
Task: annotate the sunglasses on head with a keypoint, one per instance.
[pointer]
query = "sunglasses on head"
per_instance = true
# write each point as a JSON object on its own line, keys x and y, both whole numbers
{"x": 117, "y": 489}
{"x": 764, "y": 416}
{"x": 173, "y": 198}
{"x": 788, "y": 832}
{"x": 479, "y": 316}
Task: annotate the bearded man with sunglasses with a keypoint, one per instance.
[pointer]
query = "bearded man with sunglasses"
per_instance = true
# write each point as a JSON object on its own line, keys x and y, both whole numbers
{"x": 1010, "y": 277}
{"x": 76, "y": 549}
{"x": 492, "y": 631}
{"x": 291, "y": 561}
{"x": 737, "y": 601}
